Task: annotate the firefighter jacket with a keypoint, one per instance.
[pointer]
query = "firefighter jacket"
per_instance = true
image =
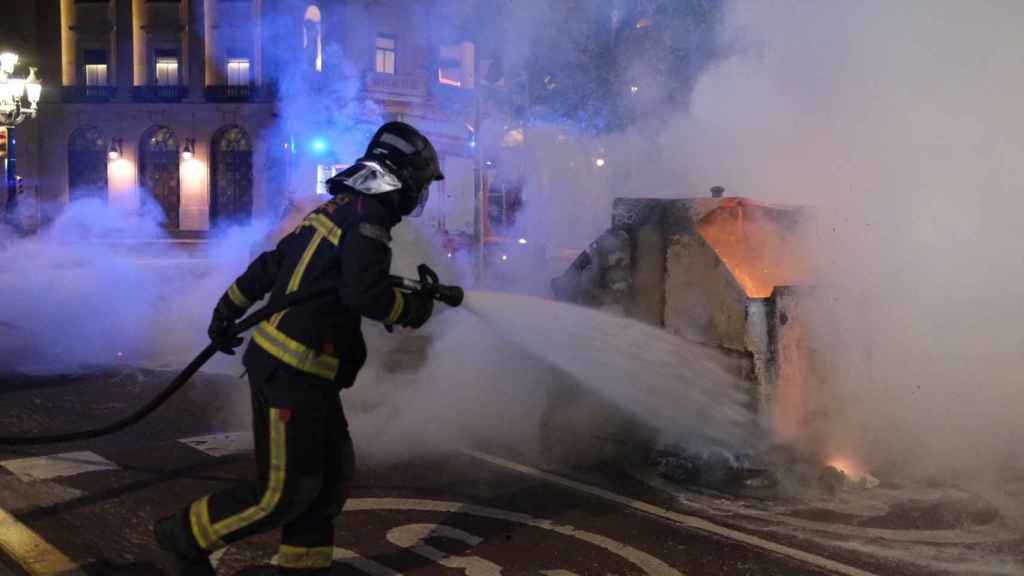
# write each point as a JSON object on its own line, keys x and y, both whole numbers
{"x": 345, "y": 242}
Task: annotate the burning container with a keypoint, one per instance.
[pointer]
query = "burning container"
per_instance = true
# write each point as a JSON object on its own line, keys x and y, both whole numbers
{"x": 723, "y": 272}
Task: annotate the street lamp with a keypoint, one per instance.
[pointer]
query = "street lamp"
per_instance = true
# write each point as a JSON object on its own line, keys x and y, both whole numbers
{"x": 190, "y": 149}
{"x": 19, "y": 98}
{"x": 114, "y": 152}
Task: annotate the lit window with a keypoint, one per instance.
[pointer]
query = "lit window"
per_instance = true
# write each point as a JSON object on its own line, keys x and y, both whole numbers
{"x": 449, "y": 70}
{"x": 95, "y": 74}
{"x": 95, "y": 67}
{"x": 167, "y": 71}
{"x": 386, "y": 54}
{"x": 325, "y": 172}
{"x": 238, "y": 72}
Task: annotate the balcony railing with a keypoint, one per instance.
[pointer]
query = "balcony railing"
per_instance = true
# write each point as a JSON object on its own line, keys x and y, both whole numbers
{"x": 250, "y": 93}
{"x": 159, "y": 93}
{"x": 88, "y": 93}
{"x": 395, "y": 86}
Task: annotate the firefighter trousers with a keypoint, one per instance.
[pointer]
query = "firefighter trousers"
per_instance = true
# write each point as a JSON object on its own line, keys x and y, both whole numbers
{"x": 305, "y": 463}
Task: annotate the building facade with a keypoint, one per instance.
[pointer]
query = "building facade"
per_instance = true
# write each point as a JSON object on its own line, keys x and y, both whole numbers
{"x": 219, "y": 111}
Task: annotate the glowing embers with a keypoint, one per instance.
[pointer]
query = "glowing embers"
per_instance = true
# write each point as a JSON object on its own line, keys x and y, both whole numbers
{"x": 847, "y": 465}
{"x": 759, "y": 245}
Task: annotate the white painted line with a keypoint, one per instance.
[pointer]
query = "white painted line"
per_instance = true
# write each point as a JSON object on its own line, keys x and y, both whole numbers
{"x": 413, "y": 537}
{"x": 218, "y": 445}
{"x": 684, "y": 519}
{"x": 364, "y": 565}
{"x": 34, "y": 555}
{"x": 57, "y": 466}
{"x": 639, "y": 558}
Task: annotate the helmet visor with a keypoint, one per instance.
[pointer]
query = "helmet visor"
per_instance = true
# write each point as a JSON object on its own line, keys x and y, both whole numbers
{"x": 422, "y": 202}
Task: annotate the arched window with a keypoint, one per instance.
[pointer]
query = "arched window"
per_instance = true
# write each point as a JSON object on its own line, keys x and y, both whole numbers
{"x": 158, "y": 170}
{"x": 231, "y": 197}
{"x": 87, "y": 164}
{"x": 312, "y": 39}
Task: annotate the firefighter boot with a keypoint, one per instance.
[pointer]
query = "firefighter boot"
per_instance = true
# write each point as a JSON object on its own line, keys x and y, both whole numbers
{"x": 172, "y": 535}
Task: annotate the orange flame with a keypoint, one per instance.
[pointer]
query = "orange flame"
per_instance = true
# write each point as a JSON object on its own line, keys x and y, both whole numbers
{"x": 853, "y": 469}
{"x": 757, "y": 244}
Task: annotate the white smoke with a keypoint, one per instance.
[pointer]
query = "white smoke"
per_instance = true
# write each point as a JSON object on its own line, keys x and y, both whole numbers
{"x": 899, "y": 123}
{"x": 102, "y": 286}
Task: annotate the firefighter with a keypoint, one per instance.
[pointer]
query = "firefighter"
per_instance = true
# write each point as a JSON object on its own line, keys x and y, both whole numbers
{"x": 300, "y": 359}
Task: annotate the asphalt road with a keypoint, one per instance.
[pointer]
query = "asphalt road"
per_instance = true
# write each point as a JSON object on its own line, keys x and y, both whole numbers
{"x": 87, "y": 508}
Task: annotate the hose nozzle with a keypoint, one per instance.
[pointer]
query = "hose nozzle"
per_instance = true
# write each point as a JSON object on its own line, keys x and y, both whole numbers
{"x": 431, "y": 285}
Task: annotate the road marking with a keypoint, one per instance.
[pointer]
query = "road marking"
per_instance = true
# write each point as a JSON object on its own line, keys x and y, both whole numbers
{"x": 364, "y": 565}
{"x": 35, "y": 555}
{"x": 218, "y": 445}
{"x": 639, "y": 558}
{"x": 684, "y": 519}
{"x": 57, "y": 465}
{"x": 414, "y": 537}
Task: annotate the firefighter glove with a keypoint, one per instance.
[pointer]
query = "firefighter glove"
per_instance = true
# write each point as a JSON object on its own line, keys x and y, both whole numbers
{"x": 224, "y": 316}
{"x": 418, "y": 309}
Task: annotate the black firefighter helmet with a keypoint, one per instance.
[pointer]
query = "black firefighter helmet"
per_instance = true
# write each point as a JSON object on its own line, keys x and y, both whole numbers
{"x": 404, "y": 152}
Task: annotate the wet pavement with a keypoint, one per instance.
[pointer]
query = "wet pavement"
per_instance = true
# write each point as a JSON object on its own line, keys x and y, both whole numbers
{"x": 87, "y": 507}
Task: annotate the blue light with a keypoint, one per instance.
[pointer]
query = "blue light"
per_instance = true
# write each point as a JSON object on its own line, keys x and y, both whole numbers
{"x": 318, "y": 145}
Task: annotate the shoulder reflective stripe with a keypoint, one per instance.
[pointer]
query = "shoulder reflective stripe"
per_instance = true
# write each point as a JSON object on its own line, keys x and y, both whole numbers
{"x": 275, "y": 483}
{"x": 199, "y": 518}
{"x": 324, "y": 225}
{"x": 293, "y": 353}
{"x": 301, "y": 557}
{"x": 300, "y": 270}
{"x": 396, "y": 310}
{"x": 238, "y": 298}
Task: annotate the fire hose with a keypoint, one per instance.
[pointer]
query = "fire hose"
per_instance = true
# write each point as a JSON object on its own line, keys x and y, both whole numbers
{"x": 428, "y": 284}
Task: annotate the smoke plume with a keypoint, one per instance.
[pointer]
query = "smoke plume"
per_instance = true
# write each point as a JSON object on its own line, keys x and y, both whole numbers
{"x": 898, "y": 125}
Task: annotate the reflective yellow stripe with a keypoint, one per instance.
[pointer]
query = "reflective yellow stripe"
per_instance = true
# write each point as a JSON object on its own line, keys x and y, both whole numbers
{"x": 199, "y": 517}
{"x": 299, "y": 557}
{"x": 300, "y": 270}
{"x": 324, "y": 225}
{"x": 275, "y": 483}
{"x": 35, "y": 556}
{"x": 238, "y": 298}
{"x": 396, "y": 310}
{"x": 294, "y": 353}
